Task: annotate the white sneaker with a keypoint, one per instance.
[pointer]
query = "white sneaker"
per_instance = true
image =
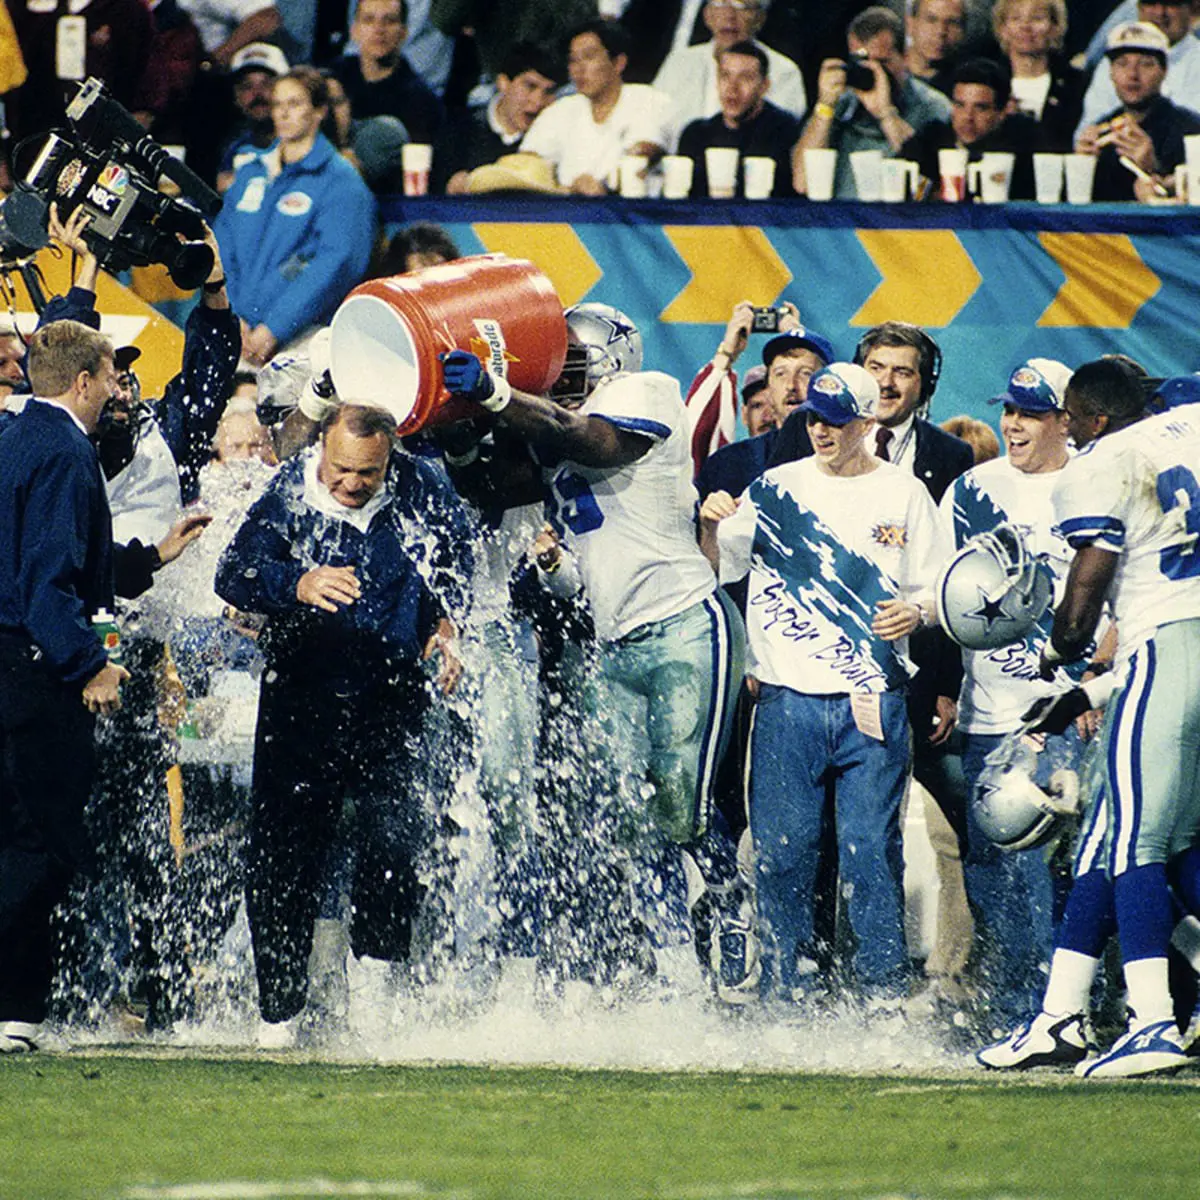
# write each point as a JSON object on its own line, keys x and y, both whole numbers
{"x": 1143, "y": 1050}
{"x": 1046, "y": 1041}
{"x": 18, "y": 1037}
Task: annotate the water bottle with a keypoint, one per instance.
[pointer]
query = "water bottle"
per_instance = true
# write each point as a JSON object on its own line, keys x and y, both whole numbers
{"x": 109, "y": 633}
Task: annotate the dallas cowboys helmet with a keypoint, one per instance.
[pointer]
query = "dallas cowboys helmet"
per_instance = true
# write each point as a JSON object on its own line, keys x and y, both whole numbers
{"x": 603, "y": 342}
{"x": 1010, "y": 808}
{"x": 993, "y": 590}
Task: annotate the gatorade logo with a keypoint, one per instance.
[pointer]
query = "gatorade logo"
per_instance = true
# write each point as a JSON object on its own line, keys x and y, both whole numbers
{"x": 489, "y": 346}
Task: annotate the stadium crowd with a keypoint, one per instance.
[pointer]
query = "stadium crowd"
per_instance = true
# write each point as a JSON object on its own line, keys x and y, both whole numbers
{"x": 579, "y": 680}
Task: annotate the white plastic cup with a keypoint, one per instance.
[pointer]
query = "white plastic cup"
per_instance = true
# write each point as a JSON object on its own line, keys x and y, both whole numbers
{"x": 1080, "y": 170}
{"x": 758, "y": 177}
{"x": 1048, "y": 178}
{"x": 721, "y": 163}
{"x": 820, "y": 166}
{"x": 952, "y": 167}
{"x": 632, "y": 173}
{"x": 867, "y": 168}
{"x": 897, "y": 180}
{"x": 677, "y": 170}
{"x": 415, "y": 160}
{"x": 991, "y": 176}
{"x": 1183, "y": 190}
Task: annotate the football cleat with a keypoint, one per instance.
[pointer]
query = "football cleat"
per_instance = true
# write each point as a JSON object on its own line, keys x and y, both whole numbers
{"x": 1145, "y": 1050}
{"x": 1191, "y": 1035}
{"x": 1045, "y": 1041}
{"x": 17, "y": 1037}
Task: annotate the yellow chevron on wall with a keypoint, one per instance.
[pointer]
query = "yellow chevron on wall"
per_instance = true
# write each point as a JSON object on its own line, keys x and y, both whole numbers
{"x": 927, "y": 276}
{"x": 555, "y": 249}
{"x": 1107, "y": 281}
{"x": 728, "y": 263}
{"x": 124, "y": 317}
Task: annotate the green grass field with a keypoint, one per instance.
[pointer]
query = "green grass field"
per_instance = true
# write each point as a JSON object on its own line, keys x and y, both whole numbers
{"x": 133, "y": 1127}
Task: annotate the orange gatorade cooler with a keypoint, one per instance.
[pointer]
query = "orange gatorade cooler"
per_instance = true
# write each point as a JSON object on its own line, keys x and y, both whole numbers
{"x": 386, "y": 336}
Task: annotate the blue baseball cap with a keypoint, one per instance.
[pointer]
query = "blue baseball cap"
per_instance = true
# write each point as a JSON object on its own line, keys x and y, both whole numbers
{"x": 1175, "y": 392}
{"x": 841, "y": 393}
{"x": 754, "y": 381}
{"x": 1038, "y": 385}
{"x": 798, "y": 339}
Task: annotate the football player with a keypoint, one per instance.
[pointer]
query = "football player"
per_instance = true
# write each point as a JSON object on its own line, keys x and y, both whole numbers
{"x": 1129, "y": 506}
{"x": 613, "y": 447}
{"x": 1010, "y": 891}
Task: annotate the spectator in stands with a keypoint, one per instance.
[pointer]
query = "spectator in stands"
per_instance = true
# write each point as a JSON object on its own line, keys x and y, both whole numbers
{"x": 227, "y": 25}
{"x": 12, "y": 363}
{"x": 1044, "y": 83}
{"x": 882, "y": 118}
{"x": 936, "y": 29}
{"x": 114, "y": 47}
{"x": 1146, "y": 128}
{"x": 253, "y": 70}
{"x": 525, "y": 85}
{"x": 495, "y": 27}
{"x": 378, "y": 80}
{"x": 747, "y": 121}
{"x": 297, "y": 226}
{"x": 585, "y": 135}
{"x": 1175, "y": 18}
{"x": 979, "y": 122}
{"x": 689, "y": 76}
{"x": 166, "y": 86}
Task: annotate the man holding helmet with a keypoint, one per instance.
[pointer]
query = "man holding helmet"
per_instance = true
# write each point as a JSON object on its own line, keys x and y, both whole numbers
{"x": 613, "y": 447}
{"x": 994, "y": 600}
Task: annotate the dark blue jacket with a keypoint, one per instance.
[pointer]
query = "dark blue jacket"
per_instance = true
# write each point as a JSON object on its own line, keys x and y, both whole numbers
{"x": 56, "y": 549}
{"x": 735, "y": 467}
{"x": 413, "y": 564}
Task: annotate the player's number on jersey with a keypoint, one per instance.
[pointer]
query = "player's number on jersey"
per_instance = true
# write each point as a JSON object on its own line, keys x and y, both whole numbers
{"x": 1178, "y": 487}
{"x": 576, "y": 505}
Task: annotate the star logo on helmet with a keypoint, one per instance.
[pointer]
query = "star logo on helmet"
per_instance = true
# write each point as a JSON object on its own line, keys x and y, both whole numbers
{"x": 990, "y": 612}
{"x": 617, "y": 329}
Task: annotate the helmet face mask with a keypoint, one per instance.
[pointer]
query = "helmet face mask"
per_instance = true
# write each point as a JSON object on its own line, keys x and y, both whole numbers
{"x": 1010, "y": 808}
{"x": 993, "y": 591}
{"x": 602, "y": 342}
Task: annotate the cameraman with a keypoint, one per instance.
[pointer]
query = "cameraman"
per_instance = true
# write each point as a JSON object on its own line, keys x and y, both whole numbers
{"x": 880, "y": 117}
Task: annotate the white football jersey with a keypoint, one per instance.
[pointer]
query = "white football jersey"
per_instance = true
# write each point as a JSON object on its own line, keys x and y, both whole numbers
{"x": 999, "y": 685}
{"x": 632, "y": 528}
{"x": 1135, "y": 493}
{"x": 822, "y": 551}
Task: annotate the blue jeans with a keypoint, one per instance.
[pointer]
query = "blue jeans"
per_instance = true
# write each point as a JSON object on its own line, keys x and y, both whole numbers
{"x": 798, "y": 745}
{"x": 1010, "y": 892}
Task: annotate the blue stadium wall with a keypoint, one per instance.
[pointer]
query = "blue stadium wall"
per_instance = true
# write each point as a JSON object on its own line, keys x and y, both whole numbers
{"x": 995, "y": 285}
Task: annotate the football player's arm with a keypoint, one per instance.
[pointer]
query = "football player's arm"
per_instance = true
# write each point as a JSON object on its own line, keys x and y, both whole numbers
{"x": 554, "y": 430}
{"x": 1088, "y": 582}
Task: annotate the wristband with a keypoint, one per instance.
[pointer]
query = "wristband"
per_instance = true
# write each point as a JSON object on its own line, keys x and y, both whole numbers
{"x": 501, "y": 395}
{"x": 823, "y": 110}
{"x": 213, "y": 286}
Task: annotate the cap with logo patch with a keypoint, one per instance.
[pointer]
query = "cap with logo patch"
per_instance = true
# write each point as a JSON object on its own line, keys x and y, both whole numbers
{"x": 754, "y": 381}
{"x": 1038, "y": 385}
{"x": 259, "y": 56}
{"x": 1137, "y": 37}
{"x": 841, "y": 393}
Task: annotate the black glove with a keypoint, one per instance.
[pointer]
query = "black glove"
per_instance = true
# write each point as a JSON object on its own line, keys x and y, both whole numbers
{"x": 465, "y": 376}
{"x": 1053, "y": 714}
